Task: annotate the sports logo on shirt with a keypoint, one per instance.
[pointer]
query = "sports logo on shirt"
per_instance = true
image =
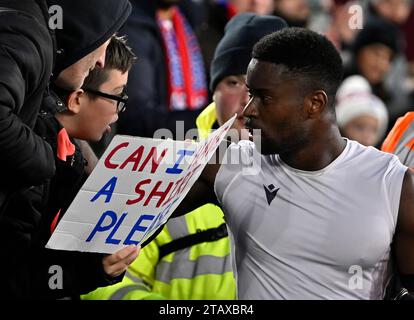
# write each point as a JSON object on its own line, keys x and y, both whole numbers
{"x": 271, "y": 192}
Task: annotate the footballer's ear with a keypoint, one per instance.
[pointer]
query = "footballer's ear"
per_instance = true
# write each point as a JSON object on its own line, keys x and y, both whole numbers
{"x": 75, "y": 100}
{"x": 315, "y": 103}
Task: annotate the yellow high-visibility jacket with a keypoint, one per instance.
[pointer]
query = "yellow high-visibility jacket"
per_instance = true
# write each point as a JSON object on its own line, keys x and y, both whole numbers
{"x": 202, "y": 271}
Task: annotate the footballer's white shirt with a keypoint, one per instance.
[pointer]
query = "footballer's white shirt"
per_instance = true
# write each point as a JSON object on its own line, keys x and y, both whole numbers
{"x": 311, "y": 235}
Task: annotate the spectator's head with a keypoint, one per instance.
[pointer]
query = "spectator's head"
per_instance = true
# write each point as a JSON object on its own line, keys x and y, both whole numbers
{"x": 85, "y": 34}
{"x": 341, "y": 32}
{"x": 231, "y": 58}
{"x": 361, "y": 115}
{"x": 93, "y": 108}
{"x": 395, "y": 11}
{"x": 292, "y": 80}
{"x": 295, "y": 12}
{"x": 374, "y": 48}
{"x": 254, "y": 6}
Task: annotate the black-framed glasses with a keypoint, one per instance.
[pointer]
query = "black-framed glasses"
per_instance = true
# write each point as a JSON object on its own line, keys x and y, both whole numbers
{"x": 121, "y": 100}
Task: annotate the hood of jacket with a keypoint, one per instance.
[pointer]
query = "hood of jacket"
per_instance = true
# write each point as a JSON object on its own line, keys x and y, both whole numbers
{"x": 86, "y": 26}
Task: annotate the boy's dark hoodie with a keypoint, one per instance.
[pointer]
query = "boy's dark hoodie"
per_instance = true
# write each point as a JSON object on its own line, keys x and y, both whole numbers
{"x": 86, "y": 26}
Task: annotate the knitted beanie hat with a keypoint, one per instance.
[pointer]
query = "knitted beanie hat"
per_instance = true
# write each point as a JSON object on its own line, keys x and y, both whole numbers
{"x": 233, "y": 53}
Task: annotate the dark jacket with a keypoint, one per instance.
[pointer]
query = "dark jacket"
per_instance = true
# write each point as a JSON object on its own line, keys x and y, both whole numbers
{"x": 28, "y": 273}
{"x": 25, "y": 227}
{"x": 148, "y": 105}
{"x": 26, "y": 60}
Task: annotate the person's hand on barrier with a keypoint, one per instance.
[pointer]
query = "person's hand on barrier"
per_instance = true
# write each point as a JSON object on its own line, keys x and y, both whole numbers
{"x": 116, "y": 263}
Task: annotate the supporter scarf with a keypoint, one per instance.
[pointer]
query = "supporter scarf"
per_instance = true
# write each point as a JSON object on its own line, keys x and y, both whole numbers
{"x": 186, "y": 77}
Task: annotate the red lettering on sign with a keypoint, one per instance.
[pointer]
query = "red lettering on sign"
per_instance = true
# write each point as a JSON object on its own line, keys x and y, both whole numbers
{"x": 161, "y": 194}
{"x": 155, "y": 161}
{"x": 135, "y": 158}
{"x": 107, "y": 162}
{"x": 139, "y": 191}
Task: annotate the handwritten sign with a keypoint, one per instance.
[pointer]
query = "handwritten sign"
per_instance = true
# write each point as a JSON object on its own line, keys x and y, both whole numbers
{"x": 134, "y": 189}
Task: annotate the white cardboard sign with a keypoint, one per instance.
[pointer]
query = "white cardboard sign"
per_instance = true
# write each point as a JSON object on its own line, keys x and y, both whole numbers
{"x": 134, "y": 189}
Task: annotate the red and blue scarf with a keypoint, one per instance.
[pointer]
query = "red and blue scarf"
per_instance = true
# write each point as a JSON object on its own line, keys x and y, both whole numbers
{"x": 186, "y": 76}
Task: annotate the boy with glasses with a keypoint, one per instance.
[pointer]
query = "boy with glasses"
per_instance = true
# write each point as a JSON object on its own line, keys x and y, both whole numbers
{"x": 121, "y": 100}
{"x": 86, "y": 115}
{"x": 88, "y": 112}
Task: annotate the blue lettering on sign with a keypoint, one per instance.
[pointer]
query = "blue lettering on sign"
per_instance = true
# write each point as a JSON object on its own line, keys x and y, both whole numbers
{"x": 114, "y": 230}
{"x": 107, "y": 190}
{"x": 157, "y": 222}
{"x": 99, "y": 227}
{"x": 138, "y": 227}
{"x": 109, "y": 220}
{"x": 182, "y": 153}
